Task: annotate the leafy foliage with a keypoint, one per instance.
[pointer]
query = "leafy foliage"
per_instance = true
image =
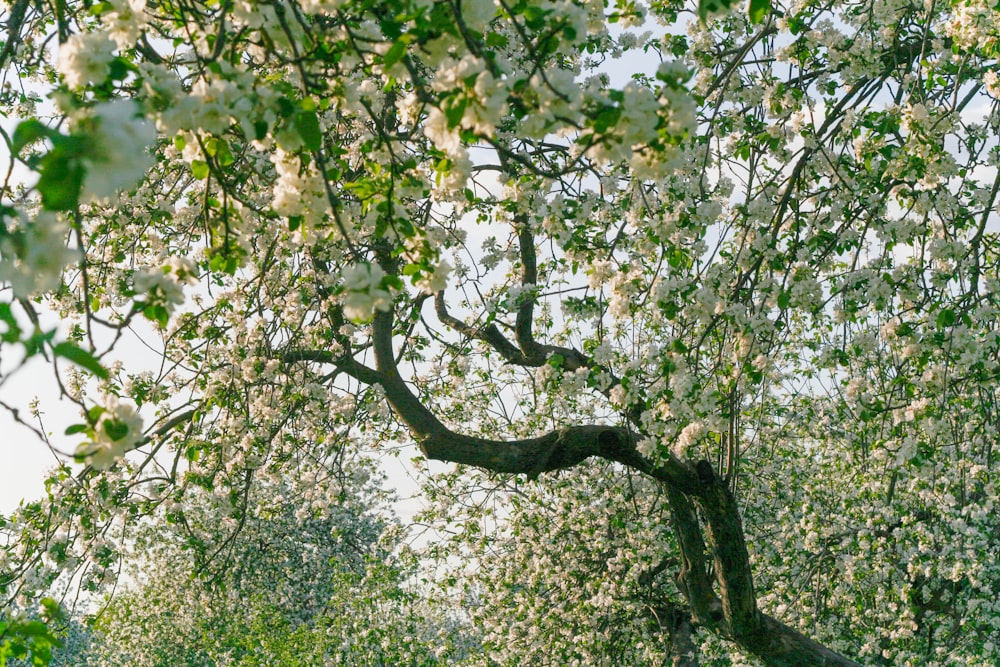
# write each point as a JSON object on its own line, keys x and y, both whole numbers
{"x": 702, "y": 300}
{"x": 30, "y": 639}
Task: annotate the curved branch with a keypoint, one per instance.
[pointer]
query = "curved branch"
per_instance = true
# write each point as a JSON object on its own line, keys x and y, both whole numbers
{"x": 775, "y": 643}
{"x": 529, "y": 279}
{"x": 692, "y": 579}
{"x": 779, "y": 645}
{"x": 489, "y": 333}
{"x": 344, "y": 363}
{"x": 525, "y": 317}
{"x": 562, "y": 448}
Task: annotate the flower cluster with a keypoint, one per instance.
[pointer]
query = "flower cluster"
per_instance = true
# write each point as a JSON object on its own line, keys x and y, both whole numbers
{"x": 85, "y": 58}
{"x": 33, "y": 254}
{"x": 118, "y": 137}
{"x": 116, "y": 431}
{"x": 162, "y": 288}
{"x": 436, "y": 280}
{"x": 768, "y": 247}
{"x": 364, "y": 291}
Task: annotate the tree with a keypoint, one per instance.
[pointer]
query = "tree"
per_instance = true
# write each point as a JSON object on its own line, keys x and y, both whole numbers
{"x": 756, "y": 283}
{"x": 313, "y": 586}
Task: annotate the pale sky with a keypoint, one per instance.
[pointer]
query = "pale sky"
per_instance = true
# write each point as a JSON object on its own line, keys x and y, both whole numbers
{"x": 25, "y": 457}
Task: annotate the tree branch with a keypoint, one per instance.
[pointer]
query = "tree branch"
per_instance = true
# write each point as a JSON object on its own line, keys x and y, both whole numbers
{"x": 693, "y": 579}
{"x": 489, "y": 334}
{"x": 733, "y": 612}
{"x": 724, "y": 534}
{"x": 529, "y": 280}
{"x": 676, "y": 621}
{"x": 345, "y": 363}
{"x": 562, "y": 448}
{"x": 778, "y": 645}
{"x": 525, "y": 316}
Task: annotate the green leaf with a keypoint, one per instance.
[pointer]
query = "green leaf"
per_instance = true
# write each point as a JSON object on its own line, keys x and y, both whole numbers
{"x": 945, "y": 318}
{"x": 80, "y": 357}
{"x": 259, "y": 129}
{"x": 199, "y": 168}
{"x": 120, "y": 68}
{"x": 157, "y": 313}
{"x": 307, "y": 124}
{"x": 38, "y": 341}
{"x": 35, "y": 629}
{"x": 496, "y": 39}
{"x": 52, "y": 609}
{"x": 100, "y": 8}
{"x": 758, "y": 10}
{"x": 60, "y": 187}
{"x": 455, "y": 110}
{"x": 28, "y": 131}
{"x": 395, "y": 53}
{"x": 607, "y": 118}
{"x": 76, "y": 428}
{"x": 220, "y": 151}
{"x": 61, "y": 171}
{"x": 224, "y": 262}
{"x": 362, "y": 189}
{"x": 115, "y": 429}
{"x": 708, "y": 7}
{"x": 13, "y": 332}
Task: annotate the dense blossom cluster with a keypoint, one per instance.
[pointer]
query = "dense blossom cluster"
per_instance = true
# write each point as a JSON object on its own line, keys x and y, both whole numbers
{"x": 116, "y": 431}
{"x": 34, "y": 252}
{"x": 758, "y": 259}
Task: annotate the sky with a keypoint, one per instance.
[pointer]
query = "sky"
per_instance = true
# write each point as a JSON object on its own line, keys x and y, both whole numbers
{"x": 25, "y": 456}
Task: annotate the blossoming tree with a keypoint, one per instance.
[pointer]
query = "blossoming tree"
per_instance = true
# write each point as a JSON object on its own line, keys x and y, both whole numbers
{"x": 710, "y": 298}
{"x": 299, "y": 586}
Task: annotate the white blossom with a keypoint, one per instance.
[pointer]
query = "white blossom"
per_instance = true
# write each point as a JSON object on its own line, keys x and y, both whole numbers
{"x": 34, "y": 253}
{"x": 117, "y": 431}
{"x": 437, "y": 280}
{"x": 163, "y": 285}
{"x": 688, "y": 437}
{"x": 125, "y": 21}
{"x": 85, "y": 58}
{"x": 446, "y": 139}
{"x": 364, "y": 293}
{"x": 120, "y": 138}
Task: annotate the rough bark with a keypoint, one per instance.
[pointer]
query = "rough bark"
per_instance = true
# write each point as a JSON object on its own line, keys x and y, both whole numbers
{"x": 724, "y": 535}
{"x": 532, "y": 355}
{"x": 692, "y": 578}
{"x": 778, "y": 645}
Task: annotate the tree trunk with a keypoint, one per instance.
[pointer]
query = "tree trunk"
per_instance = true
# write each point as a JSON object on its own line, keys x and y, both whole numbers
{"x": 727, "y": 606}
